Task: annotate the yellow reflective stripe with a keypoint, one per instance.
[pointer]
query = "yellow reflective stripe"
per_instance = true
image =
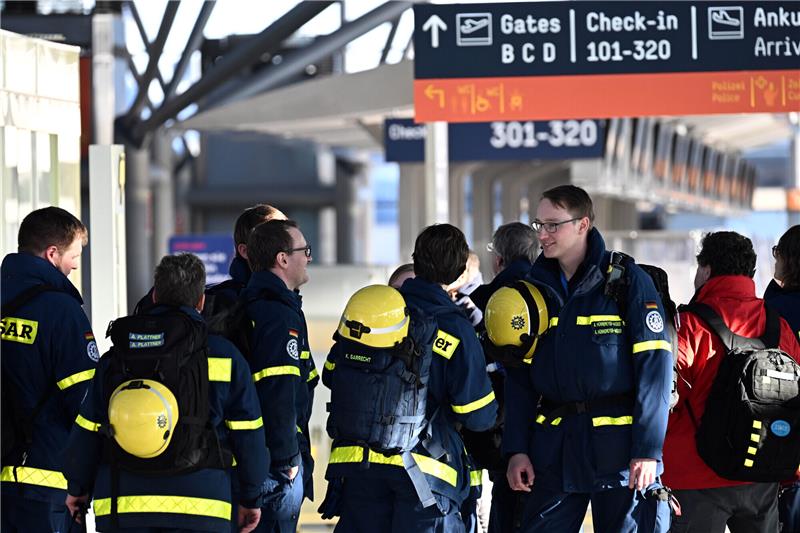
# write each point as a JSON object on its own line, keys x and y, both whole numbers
{"x": 541, "y": 420}
{"x": 554, "y": 322}
{"x": 428, "y": 465}
{"x": 35, "y": 476}
{"x": 244, "y": 424}
{"x": 299, "y": 429}
{"x": 219, "y": 369}
{"x": 329, "y": 366}
{"x": 87, "y": 424}
{"x": 312, "y": 375}
{"x": 288, "y": 370}
{"x": 589, "y": 320}
{"x": 755, "y": 437}
{"x": 612, "y": 421}
{"x": 756, "y": 424}
{"x": 445, "y": 344}
{"x": 474, "y": 406}
{"x": 165, "y": 504}
{"x": 748, "y": 463}
{"x": 651, "y": 345}
{"x": 75, "y": 378}
{"x": 751, "y": 450}
{"x": 18, "y": 330}
{"x": 475, "y": 478}
{"x": 305, "y": 354}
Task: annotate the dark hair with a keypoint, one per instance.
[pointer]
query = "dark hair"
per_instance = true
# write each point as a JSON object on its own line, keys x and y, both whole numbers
{"x": 266, "y": 241}
{"x": 573, "y": 199}
{"x": 179, "y": 280}
{"x": 789, "y": 250}
{"x": 252, "y": 217}
{"x": 400, "y": 271}
{"x": 728, "y": 254}
{"x": 440, "y": 254}
{"x": 515, "y": 240}
{"x": 50, "y": 226}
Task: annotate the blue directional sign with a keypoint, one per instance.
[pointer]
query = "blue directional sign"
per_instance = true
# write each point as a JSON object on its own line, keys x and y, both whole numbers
{"x": 404, "y": 141}
{"x": 215, "y": 251}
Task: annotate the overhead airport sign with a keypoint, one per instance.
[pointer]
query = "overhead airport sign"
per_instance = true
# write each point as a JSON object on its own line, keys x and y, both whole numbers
{"x": 583, "y": 59}
{"x": 404, "y": 141}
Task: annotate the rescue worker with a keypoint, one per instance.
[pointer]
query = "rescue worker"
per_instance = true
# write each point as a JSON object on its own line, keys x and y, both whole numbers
{"x": 382, "y": 497}
{"x": 724, "y": 281}
{"x": 177, "y": 503}
{"x": 783, "y": 295}
{"x": 278, "y": 255}
{"x": 586, "y": 421}
{"x": 48, "y": 357}
{"x": 513, "y": 249}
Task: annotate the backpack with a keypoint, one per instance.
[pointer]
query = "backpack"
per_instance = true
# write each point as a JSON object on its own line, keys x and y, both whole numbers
{"x": 172, "y": 349}
{"x": 379, "y": 396}
{"x": 617, "y": 288}
{"x": 17, "y": 425}
{"x": 750, "y": 430}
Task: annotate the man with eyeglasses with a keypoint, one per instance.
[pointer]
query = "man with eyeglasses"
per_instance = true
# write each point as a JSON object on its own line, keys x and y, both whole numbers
{"x": 279, "y": 255}
{"x": 585, "y": 422}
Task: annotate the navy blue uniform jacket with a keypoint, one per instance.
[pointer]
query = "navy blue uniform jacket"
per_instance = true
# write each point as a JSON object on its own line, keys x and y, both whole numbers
{"x": 591, "y": 352}
{"x": 458, "y": 386}
{"x": 282, "y": 367}
{"x": 787, "y": 303}
{"x": 199, "y": 500}
{"x": 47, "y": 348}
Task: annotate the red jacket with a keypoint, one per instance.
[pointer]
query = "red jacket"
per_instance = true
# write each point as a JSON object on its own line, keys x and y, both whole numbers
{"x": 699, "y": 356}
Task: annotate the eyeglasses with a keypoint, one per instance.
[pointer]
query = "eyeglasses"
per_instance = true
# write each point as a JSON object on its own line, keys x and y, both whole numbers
{"x": 550, "y": 227}
{"x": 775, "y": 252}
{"x": 490, "y": 247}
{"x": 305, "y": 249}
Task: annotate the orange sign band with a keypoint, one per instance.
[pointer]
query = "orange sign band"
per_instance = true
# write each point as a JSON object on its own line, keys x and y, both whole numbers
{"x": 602, "y": 96}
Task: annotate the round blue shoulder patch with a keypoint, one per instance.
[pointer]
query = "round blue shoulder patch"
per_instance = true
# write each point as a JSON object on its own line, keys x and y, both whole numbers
{"x": 780, "y": 428}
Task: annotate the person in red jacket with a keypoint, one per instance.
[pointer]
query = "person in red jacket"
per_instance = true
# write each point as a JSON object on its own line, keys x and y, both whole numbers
{"x": 724, "y": 281}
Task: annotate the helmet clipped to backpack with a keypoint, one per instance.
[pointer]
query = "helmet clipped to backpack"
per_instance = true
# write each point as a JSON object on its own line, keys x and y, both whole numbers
{"x": 515, "y": 318}
{"x": 375, "y": 316}
{"x": 143, "y": 414}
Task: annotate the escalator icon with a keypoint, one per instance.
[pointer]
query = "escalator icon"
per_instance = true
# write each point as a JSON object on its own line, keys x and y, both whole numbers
{"x": 725, "y": 23}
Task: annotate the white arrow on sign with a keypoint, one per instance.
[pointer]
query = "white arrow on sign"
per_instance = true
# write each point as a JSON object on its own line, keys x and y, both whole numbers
{"x": 434, "y": 24}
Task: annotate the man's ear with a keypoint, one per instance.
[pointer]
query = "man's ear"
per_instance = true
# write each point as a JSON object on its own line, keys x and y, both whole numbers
{"x": 241, "y": 249}
{"x": 201, "y": 303}
{"x": 153, "y": 295}
{"x": 585, "y": 224}
{"x": 49, "y": 254}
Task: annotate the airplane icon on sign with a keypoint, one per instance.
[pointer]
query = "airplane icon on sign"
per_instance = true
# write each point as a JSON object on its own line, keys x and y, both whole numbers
{"x": 474, "y": 29}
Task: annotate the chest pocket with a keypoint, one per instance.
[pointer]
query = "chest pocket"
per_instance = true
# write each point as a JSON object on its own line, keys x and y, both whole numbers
{"x": 603, "y": 329}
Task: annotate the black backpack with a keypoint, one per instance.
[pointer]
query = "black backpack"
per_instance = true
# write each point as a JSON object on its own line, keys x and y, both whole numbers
{"x": 174, "y": 352}
{"x": 617, "y": 288}
{"x": 750, "y": 430}
{"x": 17, "y": 425}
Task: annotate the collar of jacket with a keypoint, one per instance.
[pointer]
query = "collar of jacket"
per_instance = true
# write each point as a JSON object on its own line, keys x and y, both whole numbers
{"x": 774, "y": 291}
{"x": 266, "y": 281}
{"x": 431, "y": 293}
{"x": 22, "y": 270}
{"x": 193, "y": 313}
{"x": 547, "y": 270}
{"x": 736, "y": 287}
{"x": 240, "y": 270}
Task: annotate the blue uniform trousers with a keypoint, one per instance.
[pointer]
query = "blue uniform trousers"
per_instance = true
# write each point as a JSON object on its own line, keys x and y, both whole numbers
{"x": 369, "y": 505}
{"x": 618, "y": 510}
{"x": 789, "y": 509}
{"x": 508, "y": 505}
{"x": 21, "y": 515}
{"x": 281, "y": 509}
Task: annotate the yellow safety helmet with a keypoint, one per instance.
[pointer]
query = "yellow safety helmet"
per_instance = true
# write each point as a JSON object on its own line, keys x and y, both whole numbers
{"x": 143, "y": 414}
{"x": 514, "y": 311}
{"x": 375, "y": 316}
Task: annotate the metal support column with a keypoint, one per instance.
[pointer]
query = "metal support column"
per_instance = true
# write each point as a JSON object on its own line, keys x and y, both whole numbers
{"x": 482, "y": 216}
{"x": 437, "y": 174}
{"x": 346, "y": 211}
{"x": 139, "y": 229}
{"x": 163, "y": 190}
{"x": 412, "y": 211}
